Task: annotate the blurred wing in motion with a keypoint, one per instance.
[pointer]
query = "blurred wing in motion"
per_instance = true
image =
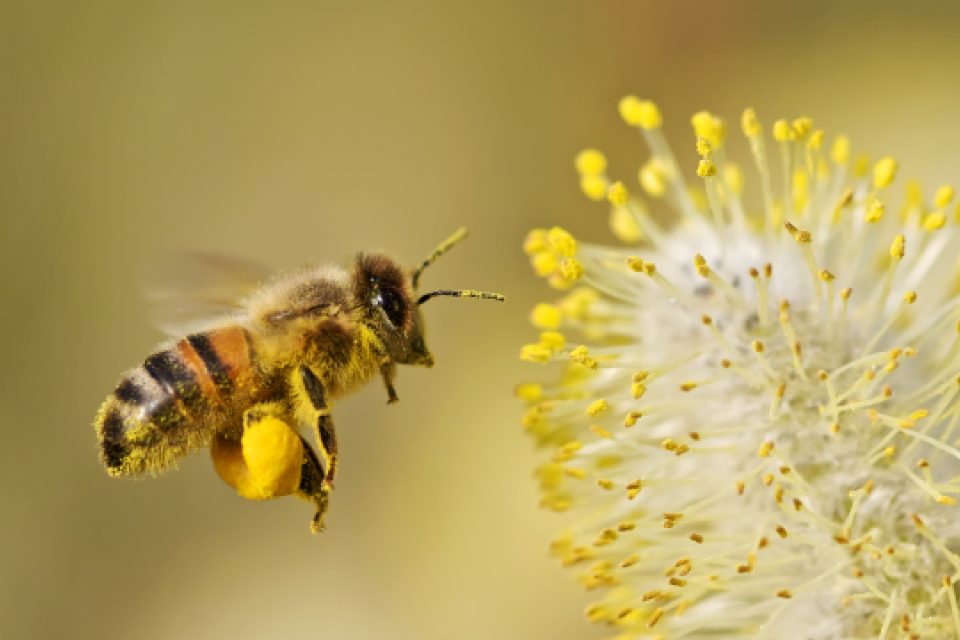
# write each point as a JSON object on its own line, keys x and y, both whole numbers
{"x": 197, "y": 287}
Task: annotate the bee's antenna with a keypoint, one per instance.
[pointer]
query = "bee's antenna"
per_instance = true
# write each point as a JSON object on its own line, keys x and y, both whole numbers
{"x": 461, "y": 294}
{"x": 445, "y": 246}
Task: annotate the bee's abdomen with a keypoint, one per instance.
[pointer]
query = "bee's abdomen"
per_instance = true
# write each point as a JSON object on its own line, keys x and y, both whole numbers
{"x": 174, "y": 401}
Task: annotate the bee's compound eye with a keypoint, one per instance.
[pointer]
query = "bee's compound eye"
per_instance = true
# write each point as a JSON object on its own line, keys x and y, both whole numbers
{"x": 392, "y": 305}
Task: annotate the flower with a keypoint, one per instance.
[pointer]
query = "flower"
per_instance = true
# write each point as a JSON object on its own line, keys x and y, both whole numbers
{"x": 758, "y": 434}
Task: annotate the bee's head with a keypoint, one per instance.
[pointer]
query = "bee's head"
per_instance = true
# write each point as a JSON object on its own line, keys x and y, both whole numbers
{"x": 390, "y": 295}
{"x": 386, "y": 291}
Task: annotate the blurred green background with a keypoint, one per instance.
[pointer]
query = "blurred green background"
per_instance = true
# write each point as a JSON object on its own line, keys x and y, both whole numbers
{"x": 287, "y": 132}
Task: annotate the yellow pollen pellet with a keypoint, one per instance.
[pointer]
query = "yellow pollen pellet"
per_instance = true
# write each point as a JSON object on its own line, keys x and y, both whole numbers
{"x": 763, "y": 543}
{"x": 784, "y": 593}
{"x": 846, "y": 293}
{"x": 597, "y": 407}
{"x": 562, "y": 242}
{"x": 768, "y": 479}
{"x": 545, "y": 316}
{"x": 600, "y": 431}
{"x": 677, "y": 582}
{"x": 696, "y": 537}
{"x": 623, "y": 613}
{"x": 889, "y": 451}
{"x": 919, "y": 415}
{"x": 750, "y": 123}
{"x": 884, "y": 173}
{"x": 910, "y": 297}
{"x": 688, "y": 386}
{"x": 578, "y": 474}
{"x": 649, "y": 268}
{"x": 591, "y": 162}
{"x": 740, "y": 488}
{"x": 682, "y": 449}
{"x": 650, "y": 595}
{"x": 669, "y": 445}
{"x": 757, "y": 346}
{"x": 744, "y": 568}
{"x": 637, "y": 389}
{"x": 797, "y": 504}
{"x": 626, "y": 526}
{"x": 635, "y": 264}
{"x": 634, "y": 485}
{"x": 631, "y": 418}
{"x": 765, "y": 449}
{"x": 826, "y": 276}
{"x": 782, "y": 532}
{"x": 632, "y": 493}
{"x": 706, "y": 169}
{"x": 571, "y": 269}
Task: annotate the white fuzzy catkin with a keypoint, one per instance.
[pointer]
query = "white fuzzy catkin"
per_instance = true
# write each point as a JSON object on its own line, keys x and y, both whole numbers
{"x": 758, "y": 436}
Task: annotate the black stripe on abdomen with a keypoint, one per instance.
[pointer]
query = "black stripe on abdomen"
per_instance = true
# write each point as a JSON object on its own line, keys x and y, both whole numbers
{"x": 177, "y": 382}
{"x": 211, "y": 360}
{"x": 113, "y": 440}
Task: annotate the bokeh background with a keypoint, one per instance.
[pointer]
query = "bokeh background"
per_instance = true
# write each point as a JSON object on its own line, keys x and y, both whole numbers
{"x": 287, "y": 132}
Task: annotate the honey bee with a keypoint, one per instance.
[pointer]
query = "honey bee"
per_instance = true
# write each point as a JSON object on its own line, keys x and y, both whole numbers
{"x": 270, "y": 371}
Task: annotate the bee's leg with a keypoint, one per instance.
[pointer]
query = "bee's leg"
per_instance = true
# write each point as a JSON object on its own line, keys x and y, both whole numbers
{"x": 312, "y": 485}
{"x": 388, "y": 370}
{"x": 322, "y": 422}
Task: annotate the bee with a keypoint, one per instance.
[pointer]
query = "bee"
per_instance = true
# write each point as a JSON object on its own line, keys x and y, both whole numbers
{"x": 249, "y": 384}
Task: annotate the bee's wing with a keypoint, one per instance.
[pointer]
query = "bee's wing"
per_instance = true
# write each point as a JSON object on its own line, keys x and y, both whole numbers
{"x": 197, "y": 287}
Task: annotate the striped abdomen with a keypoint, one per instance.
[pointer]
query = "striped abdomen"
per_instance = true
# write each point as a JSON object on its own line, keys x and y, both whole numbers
{"x": 174, "y": 401}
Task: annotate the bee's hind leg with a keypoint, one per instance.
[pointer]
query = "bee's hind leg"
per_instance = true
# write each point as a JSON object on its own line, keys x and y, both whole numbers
{"x": 313, "y": 485}
{"x": 322, "y": 423}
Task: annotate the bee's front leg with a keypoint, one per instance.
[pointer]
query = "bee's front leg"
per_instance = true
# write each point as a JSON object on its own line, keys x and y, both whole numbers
{"x": 322, "y": 423}
{"x": 388, "y": 370}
